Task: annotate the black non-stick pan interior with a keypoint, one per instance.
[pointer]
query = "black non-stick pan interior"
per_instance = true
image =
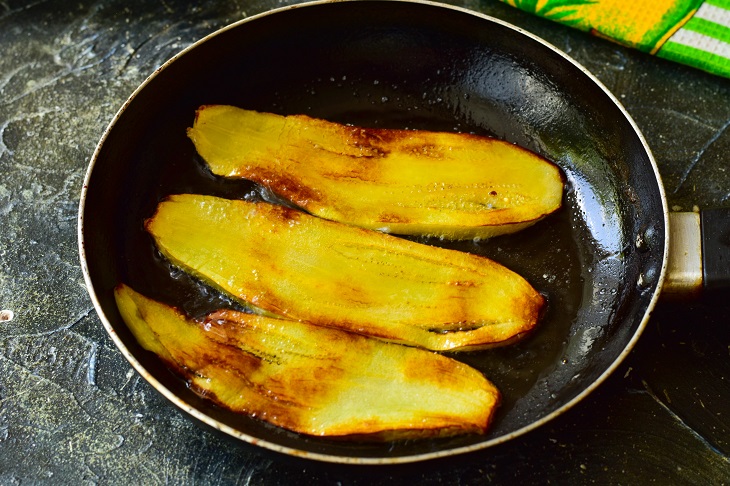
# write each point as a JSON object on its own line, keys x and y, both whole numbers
{"x": 401, "y": 65}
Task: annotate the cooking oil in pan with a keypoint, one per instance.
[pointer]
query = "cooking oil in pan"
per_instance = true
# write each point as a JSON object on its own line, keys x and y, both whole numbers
{"x": 553, "y": 255}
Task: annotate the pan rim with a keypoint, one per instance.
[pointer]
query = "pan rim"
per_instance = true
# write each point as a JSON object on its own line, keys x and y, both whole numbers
{"x": 359, "y": 460}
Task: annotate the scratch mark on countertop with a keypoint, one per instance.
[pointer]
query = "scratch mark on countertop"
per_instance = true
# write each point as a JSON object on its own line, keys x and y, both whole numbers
{"x": 4, "y": 148}
{"x": 133, "y": 51}
{"x": 9, "y": 75}
{"x": 83, "y": 56}
{"x": 91, "y": 360}
{"x": 64, "y": 327}
{"x": 153, "y": 474}
{"x": 662, "y": 112}
{"x": 245, "y": 475}
{"x": 684, "y": 424}
{"x": 36, "y": 398}
{"x": 696, "y": 159}
{"x": 44, "y": 358}
{"x": 46, "y": 81}
{"x": 81, "y": 405}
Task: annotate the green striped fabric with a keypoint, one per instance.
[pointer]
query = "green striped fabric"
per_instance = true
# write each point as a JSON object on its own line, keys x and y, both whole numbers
{"x": 693, "y": 32}
{"x": 704, "y": 41}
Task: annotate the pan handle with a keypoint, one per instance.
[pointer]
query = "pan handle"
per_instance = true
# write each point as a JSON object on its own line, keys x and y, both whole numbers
{"x": 716, "y": 248}
{"x": 699, "y": 252}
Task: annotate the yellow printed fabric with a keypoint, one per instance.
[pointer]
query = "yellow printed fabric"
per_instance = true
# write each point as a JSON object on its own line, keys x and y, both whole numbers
{"x": 693, "y": 32}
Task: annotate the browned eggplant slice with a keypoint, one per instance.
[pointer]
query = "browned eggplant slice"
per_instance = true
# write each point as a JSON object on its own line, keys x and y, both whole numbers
{"x": 313, "y": 380}
{"x": 290, "y": 264}
{"x": 452, "y": 185}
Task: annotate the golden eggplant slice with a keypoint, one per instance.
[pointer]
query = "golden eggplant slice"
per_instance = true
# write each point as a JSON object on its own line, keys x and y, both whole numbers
{"x": 290, "y": 264}
{"x": 453, "y": 185}
{"x": 311, "y": 379}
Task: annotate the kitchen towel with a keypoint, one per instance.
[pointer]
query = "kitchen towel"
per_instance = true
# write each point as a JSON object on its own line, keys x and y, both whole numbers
{"x": 696, "y": 33}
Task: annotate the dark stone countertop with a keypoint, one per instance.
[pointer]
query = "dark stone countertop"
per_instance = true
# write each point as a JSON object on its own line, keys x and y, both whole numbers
{"x": 72, "y": 410}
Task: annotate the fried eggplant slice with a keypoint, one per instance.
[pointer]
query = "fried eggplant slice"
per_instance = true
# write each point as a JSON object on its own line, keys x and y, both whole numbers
{"x": 287, "y": 263}
{"x": 313, "y": 380}
{"x": 451, "y": 185}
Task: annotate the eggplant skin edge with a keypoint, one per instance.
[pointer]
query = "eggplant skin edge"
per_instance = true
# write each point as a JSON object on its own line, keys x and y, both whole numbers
{"x": 410, "y": 182}
{"x": 313, "y": 380}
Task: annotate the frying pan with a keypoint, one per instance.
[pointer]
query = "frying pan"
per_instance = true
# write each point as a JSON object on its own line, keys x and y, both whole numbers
{"x": 600, "y": 260}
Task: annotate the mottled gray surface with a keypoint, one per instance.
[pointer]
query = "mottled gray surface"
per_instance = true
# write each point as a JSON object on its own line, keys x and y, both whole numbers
{"x": 72, "y": 411}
